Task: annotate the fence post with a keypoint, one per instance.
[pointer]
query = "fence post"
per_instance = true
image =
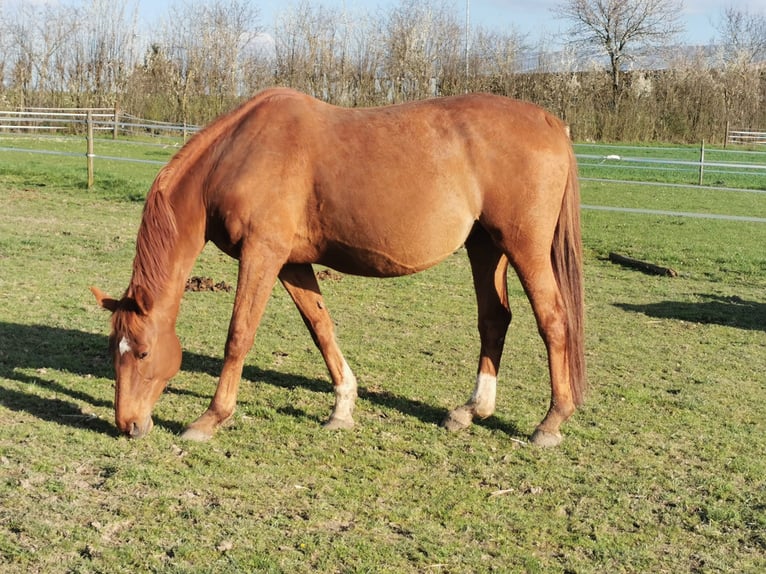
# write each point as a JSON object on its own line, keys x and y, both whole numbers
{"x": 116, "y": 121}
{"x": 702, "y": 160}
{"x": 726, "y": 135}
{"x": 89, "y": 153}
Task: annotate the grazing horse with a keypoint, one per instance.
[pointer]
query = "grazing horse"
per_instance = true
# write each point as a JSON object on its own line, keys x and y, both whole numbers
{"x": 286, "y": 180}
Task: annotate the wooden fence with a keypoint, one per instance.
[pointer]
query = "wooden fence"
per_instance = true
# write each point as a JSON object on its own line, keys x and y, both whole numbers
{"x": 81, "y": 120}
{"x": 53, "y": 120}
{"x": 744, "y": 137}
{"x": 69, "y": 121}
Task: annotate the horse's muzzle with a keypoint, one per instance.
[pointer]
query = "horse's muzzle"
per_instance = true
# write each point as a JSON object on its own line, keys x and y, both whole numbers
{"x": 136, "y": 429}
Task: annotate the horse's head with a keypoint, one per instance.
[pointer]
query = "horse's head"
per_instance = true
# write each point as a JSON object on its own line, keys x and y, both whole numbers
{"x": 146, "y": 354}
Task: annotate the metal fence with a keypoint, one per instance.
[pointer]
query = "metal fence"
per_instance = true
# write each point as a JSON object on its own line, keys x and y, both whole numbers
{"x": 692, "y": 165}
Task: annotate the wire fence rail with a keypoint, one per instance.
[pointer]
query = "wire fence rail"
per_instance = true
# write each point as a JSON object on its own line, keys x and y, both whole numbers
{"x": 73, "y": 124}
{"x": 696, "y": 164}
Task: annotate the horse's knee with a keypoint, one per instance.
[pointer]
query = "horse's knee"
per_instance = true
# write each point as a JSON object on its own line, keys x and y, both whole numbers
{"x": 238, "y": 343}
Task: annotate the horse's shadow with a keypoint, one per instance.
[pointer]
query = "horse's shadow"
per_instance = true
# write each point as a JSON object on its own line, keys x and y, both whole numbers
{"x": 27, "y": 352}
{"x": 711, "y": 309}
{"x": 37, "y": 348}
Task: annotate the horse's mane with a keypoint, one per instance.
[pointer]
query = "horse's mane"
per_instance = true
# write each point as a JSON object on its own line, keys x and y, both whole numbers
{"x": 156, "y": 238}
{"x": 158, "y": 233}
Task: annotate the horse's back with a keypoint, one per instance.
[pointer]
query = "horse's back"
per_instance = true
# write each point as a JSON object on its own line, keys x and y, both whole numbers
{"x": 395, "y": 189}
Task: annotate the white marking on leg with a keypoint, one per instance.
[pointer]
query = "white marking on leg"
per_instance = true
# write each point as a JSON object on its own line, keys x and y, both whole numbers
{"x": 124, "y": 346}
{"x": 345, "y": 394}
{"x": 483, "y": 398}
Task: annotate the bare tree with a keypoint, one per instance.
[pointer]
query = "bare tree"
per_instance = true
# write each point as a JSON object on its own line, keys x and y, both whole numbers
{"x": 424, "y": 45}
{"x": 228, "y": 31}
{"x": 205, "y": 47}
{"x": 310, "y": 49}
{"x": 35, "y": 35}
{"x": 495, "y": 60}
{"x": 620, "y": 28}
{"x": 743, "y": 35}
{"x": 743, "y": 43}
{"x": 366, "y": 54}
{"x": 103, "y": 50}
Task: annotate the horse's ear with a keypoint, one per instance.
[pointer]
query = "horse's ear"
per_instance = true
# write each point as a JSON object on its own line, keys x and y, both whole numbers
{"x": 104, "y": 300}
{"x": 143, "y": 299}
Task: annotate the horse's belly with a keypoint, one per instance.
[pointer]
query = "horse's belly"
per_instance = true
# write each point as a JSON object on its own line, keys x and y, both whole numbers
{"x": 393, "y": 248}
{"x": 399, "y": 214}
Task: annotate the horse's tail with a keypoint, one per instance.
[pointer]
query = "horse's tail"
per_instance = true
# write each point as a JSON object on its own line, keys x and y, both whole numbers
{"x": 566, "y": 255}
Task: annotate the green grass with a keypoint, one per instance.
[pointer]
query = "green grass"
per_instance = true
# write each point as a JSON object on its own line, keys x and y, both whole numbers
{"x": 661, "y": 471}
{"x": 122, "y": 180}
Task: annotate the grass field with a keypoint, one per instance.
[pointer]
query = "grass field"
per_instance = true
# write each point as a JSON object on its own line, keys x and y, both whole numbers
{"x": 663, "y": 470}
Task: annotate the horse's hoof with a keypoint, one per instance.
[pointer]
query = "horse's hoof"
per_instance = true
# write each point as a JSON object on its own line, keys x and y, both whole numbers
{"x": 196, "y": 435}
{"x": 335, "y": 423}
{"x": 457, "y": 420}
{"x": 546, "y": 439}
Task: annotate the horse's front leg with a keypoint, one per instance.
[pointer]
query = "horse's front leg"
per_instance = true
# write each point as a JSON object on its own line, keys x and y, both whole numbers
{"x": 257, "y": 273}
{"x": 301, "y": 283}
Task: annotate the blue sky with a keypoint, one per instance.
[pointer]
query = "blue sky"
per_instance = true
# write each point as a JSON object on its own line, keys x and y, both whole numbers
{"x": 532, "y": 17}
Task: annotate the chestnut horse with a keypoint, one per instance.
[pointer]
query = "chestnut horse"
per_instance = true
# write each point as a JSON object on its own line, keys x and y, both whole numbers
{"x": 285, "y": 181}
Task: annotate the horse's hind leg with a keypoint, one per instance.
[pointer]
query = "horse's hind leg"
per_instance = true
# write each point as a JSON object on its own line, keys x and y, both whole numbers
{"x": 301, "y": 283}
{"x": 537, "y": 277}
{"x": 489, "y": 267}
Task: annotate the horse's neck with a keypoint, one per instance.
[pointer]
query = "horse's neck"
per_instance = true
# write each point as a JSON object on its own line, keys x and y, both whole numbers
{"x": 171, "y": 237}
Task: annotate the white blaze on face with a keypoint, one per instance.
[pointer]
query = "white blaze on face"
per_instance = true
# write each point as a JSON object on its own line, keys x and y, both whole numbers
{"x": 124, "y": 346}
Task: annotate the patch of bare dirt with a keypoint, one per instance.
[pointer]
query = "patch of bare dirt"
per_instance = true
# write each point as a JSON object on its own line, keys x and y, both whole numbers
{"x": 206, "y": 284}
{"x": 328, "y": 275}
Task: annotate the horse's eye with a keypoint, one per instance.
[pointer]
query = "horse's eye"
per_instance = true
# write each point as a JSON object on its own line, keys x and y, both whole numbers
{"x": 142, "y": 355}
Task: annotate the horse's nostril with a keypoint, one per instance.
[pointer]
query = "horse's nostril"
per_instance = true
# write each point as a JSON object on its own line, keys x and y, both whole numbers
{"x": 138, "y": 430}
